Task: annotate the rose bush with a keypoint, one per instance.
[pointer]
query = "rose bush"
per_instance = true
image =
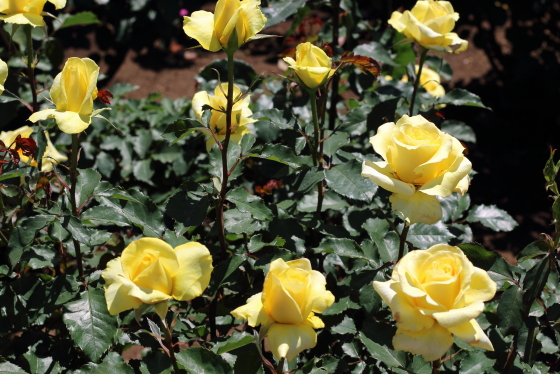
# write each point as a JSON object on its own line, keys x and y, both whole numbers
{"x": 51, "y": 153}
{"x": 433, "y": 295}
{"x": 429, "y": 23}
{"x": 312, "y": 65}
{"x": 240, "y": 114}
{"x": 26, "y": 11}
{"x": 243, "y": 19}
{"x": 292, "y": 294}
{"x": 150, "y": 271}
{"x": 73, "y": 92}
{"x": 421, "y": 162}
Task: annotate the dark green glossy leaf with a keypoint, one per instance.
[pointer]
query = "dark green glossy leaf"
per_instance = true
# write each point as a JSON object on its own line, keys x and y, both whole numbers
{"x": 492, "y": 217}
{"x": 535, "y": 279}
{"x": 9, "y": 368}
{"x": 479, "y": 256}
{"x": 237, "y": 340}
{"x": 87, "y": 181}
{"x": 536, "y": 248}
{"x": 346, "y": 179}
{"x": 475, "y": 363}
{"x": 376, "y": 51}
{"x": 256, "y": 243}
{"x": 24, "y": 234}
{"x": 199, "y": 360}
{"x": 424, "y": 236}
{"x": 91, "y": 326}
{"x": 188, "y": 206}
{"x": 304, "y": 180}
{"x": 279, "y": 153}
{"x": 282, "y": 120}
{"x": 511, "y": 310}
{"x": 459, "y": 96}
{"x": 347, "y": 326}
{"x": 334, "y": 141}
{"x": 181, "y": 128}
{"x": 248, "y": 203}
{"x": 459, "y": 130}
{"x": 278, "y": 11}
{"x": 82, "y": 18}
{"x": 383, "y": 353}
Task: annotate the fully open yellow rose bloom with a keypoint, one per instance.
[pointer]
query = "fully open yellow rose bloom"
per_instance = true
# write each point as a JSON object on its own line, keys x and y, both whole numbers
{"x": 312, "y": 65}
{"x": 430, "y": 23}
{"x": 213, "y": 31}
{"x": 73, "y": 92}
{"x": 421, "y": 162}
{"x": 239, "y": 116}
{"x": 28, "y": 12}
{"x": 3, "y": 75}
{"x": 292, "y": 294}
{"x": 51, "y": 153}
{"x": 433, "y": 295}
{"x": 150, "y": 271}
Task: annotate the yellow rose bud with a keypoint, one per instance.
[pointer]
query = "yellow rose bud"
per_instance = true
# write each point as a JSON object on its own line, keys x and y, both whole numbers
{"x": 430, "y": 23}
{"x": 433, "y": 295}
{"x": 73, "y": 92}
{"x": 150, "y": 271}
{"x": 237, "y": 20}
{"x": 239, "y": 116}
{"x": 3, "y": 75}
{"x": 28, "y": 12}
{"x": 421, "y": 162}
{"x": 312, "y": 65}
{"x": 292, "y": 294}
{"x": 51, "y": 153}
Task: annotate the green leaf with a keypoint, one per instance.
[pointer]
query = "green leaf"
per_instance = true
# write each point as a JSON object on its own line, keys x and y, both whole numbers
{"x": 331, "y": 200}
{"x": 347, "y": 326}
{"x": 536, "y": 248}
{"x": 476, "y": 363}
{"x": 382, "y": 353}
{"x": 224, "y": 273}
{"x": 23, "y": 235}
{"x": 106, "y": 215}
{"x": 90, "y": 325}
{"x": 341, "y": 306}
{"x": 424, "y": 236}
{"x": 376, "y": 51}
{"x": 143, "y": 170}
{"x": 479, "y": 256}
{"x": 121, "y": 89}
{"x": 334, "y": 141}
{"x": 237, "y": 222}
{"x": 535, "y": 279}
{"x": 382, "y": 112}
{"x": 550, "y": 171}
{"x": 346, "y": 179}
{"x": 279, "y": 153}
{"x": 305, "y": 180}
{"x": 492, "y": 217}
{"x": 283, "y": 120}
{"x": 459, "y": 130}
{"x": 278, "y": 11}
{"x": 248, "y": 203}
{"x": 188, "y": 206}
{"x": 454, "y": 206}
{"x": 459, "y": 96}
{"x": 439, "y": 65}
{"x": 40, "y": 365}
{"x": 199, "y": 360}
{"x": 78, "y": 231}
{"x": 86, "y": 182}
{"x": 342, "y": 247}
{"x": 181, "y": 128}
{"x": 237, "y": 340}
{"x": 511, "y": 310}
{"x": 9, "y": 368}
{"x": 82, "y": 18}
{"x": 256, "y": 243}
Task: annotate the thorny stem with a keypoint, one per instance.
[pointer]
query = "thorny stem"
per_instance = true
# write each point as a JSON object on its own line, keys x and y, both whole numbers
{"x": 335, "y": 79}
{"x": 280, "y": 367}
{"x": 30, "y": 67}
{"x": 225, "y": 169}
{"x": 169, "y": 343}
{"x": 317, "y": 145}
{"x": 75, "y": 212}
{"x": 435, "y": 365}
{"x": 423, "y": 53}
{"x": 402, "y": 241}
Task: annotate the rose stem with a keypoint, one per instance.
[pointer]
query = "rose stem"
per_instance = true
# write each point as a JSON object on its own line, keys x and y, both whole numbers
{"x": 423, "y": 53}
{"x": 313, "y": 94}
{"x": 435, "y": 366}
{"x": 30, "y": 67}
{"x": 334, "y": 94}
{"x": 75, "y": 213}
{"x": 280, "y": 367}
{"x": 402, "y": 240}
{"x": 169, "y": 344}
{"x": 225, "y": 170}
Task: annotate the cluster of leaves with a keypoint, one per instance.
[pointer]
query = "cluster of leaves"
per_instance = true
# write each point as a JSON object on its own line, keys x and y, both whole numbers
{"x": 157, "y": 180}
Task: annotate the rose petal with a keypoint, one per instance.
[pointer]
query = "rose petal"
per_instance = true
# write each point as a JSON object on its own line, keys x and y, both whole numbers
{"x": 290, "y": 340}
{"x": 431, "y": 343}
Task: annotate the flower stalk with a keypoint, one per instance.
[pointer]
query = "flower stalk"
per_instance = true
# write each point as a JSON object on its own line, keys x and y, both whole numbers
{"x": 334, "y": 90}
{"x": 75, "y": 212}
{"x": 402, "y": 241}
{"x": 169, "y": 344}
{"x": 30, "y": 66}
{"x": 280, "y": 367}
{"x": 435, "y": 366}
{"x": 318, "y": 147}
{"x": 423, "y": 53}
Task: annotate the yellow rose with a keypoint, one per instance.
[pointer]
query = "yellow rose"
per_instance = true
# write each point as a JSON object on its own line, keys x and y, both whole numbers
{"x": 421, "y": 162}
{"x": 292, "y": 294}
{"x": 312, "y": 65}
{"x": 51, "y": 153}
{"x": 433, "y": 295}
{"x": 150, "y": 271}
{"x": 430, "y": 80}
{"x": 73, "y": 92}
{"x": 430, "y": 23}
{"x": 3, "y": 75}
{"x": 239, "y": 116}
{"x": 28, "y": 12}
{"x": 213, "y": 31}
